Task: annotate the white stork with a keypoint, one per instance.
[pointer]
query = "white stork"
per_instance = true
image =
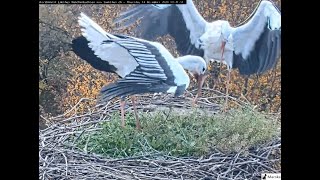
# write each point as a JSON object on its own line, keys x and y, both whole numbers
{"x": 253, "y": 47}
{"x": 144, "y": 66}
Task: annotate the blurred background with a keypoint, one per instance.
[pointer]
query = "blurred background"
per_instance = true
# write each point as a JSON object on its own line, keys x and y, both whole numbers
{"x": 64, "y": 78}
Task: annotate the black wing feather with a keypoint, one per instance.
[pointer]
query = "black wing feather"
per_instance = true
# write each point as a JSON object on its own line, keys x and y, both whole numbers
{"x": 80, "y": 48}
{"x": 263, "y": 57}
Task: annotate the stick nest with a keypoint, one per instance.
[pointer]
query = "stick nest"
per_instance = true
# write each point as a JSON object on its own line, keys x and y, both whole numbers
{"x": 60, "y": 160}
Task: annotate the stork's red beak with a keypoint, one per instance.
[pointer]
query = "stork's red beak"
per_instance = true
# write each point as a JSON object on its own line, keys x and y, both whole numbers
{"x": 200, "y": 80}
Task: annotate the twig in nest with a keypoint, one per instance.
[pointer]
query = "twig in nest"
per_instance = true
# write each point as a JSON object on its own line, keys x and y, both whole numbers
{"x": 59, "y": 158}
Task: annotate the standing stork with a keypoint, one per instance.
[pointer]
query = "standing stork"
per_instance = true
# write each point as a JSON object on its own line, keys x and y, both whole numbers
{"x": 144, "y": 66}
{"x": 252, "y": 47}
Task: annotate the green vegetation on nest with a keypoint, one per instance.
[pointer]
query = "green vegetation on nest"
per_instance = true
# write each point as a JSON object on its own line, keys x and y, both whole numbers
{"x": 190, "y": 134}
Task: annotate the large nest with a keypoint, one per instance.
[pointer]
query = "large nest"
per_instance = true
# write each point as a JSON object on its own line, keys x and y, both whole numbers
{"x": 60, "y": 160}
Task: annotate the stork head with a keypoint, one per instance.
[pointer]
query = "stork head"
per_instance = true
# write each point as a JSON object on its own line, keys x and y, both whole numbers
{"x": 196, "y": 66}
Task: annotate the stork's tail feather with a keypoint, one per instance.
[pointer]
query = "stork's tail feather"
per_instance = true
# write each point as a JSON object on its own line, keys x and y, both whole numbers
{"x": 117, "y": 89}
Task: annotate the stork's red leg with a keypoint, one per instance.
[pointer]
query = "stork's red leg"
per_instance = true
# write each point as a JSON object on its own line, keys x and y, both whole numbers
{"x": 227, "y": 89}
{"x": 138, "y": 125}
{"x": 194, "y": 101}
{"x": 200, "y": 80}
{"x": 223, "y": 44}
{"x": 122, "y": 104}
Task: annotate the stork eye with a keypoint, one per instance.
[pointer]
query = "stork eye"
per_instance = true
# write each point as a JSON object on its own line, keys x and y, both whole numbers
{"x": 203, "y": 69}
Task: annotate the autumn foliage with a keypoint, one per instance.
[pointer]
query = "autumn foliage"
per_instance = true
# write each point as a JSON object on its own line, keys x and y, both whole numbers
{"x": 64, "y": 78}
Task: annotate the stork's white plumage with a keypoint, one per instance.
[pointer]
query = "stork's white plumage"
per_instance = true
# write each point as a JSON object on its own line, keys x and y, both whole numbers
{"x": 253, "y": 47}
{"x": 144, "y": 66}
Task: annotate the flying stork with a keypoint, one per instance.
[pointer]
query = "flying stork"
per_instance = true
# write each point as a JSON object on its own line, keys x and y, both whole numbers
{"x": 143, "y": 66}
{"x": 252, "y": 47}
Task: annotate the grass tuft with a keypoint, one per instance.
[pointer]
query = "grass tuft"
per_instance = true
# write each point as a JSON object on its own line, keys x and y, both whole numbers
{"x": 188, "y": 133}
